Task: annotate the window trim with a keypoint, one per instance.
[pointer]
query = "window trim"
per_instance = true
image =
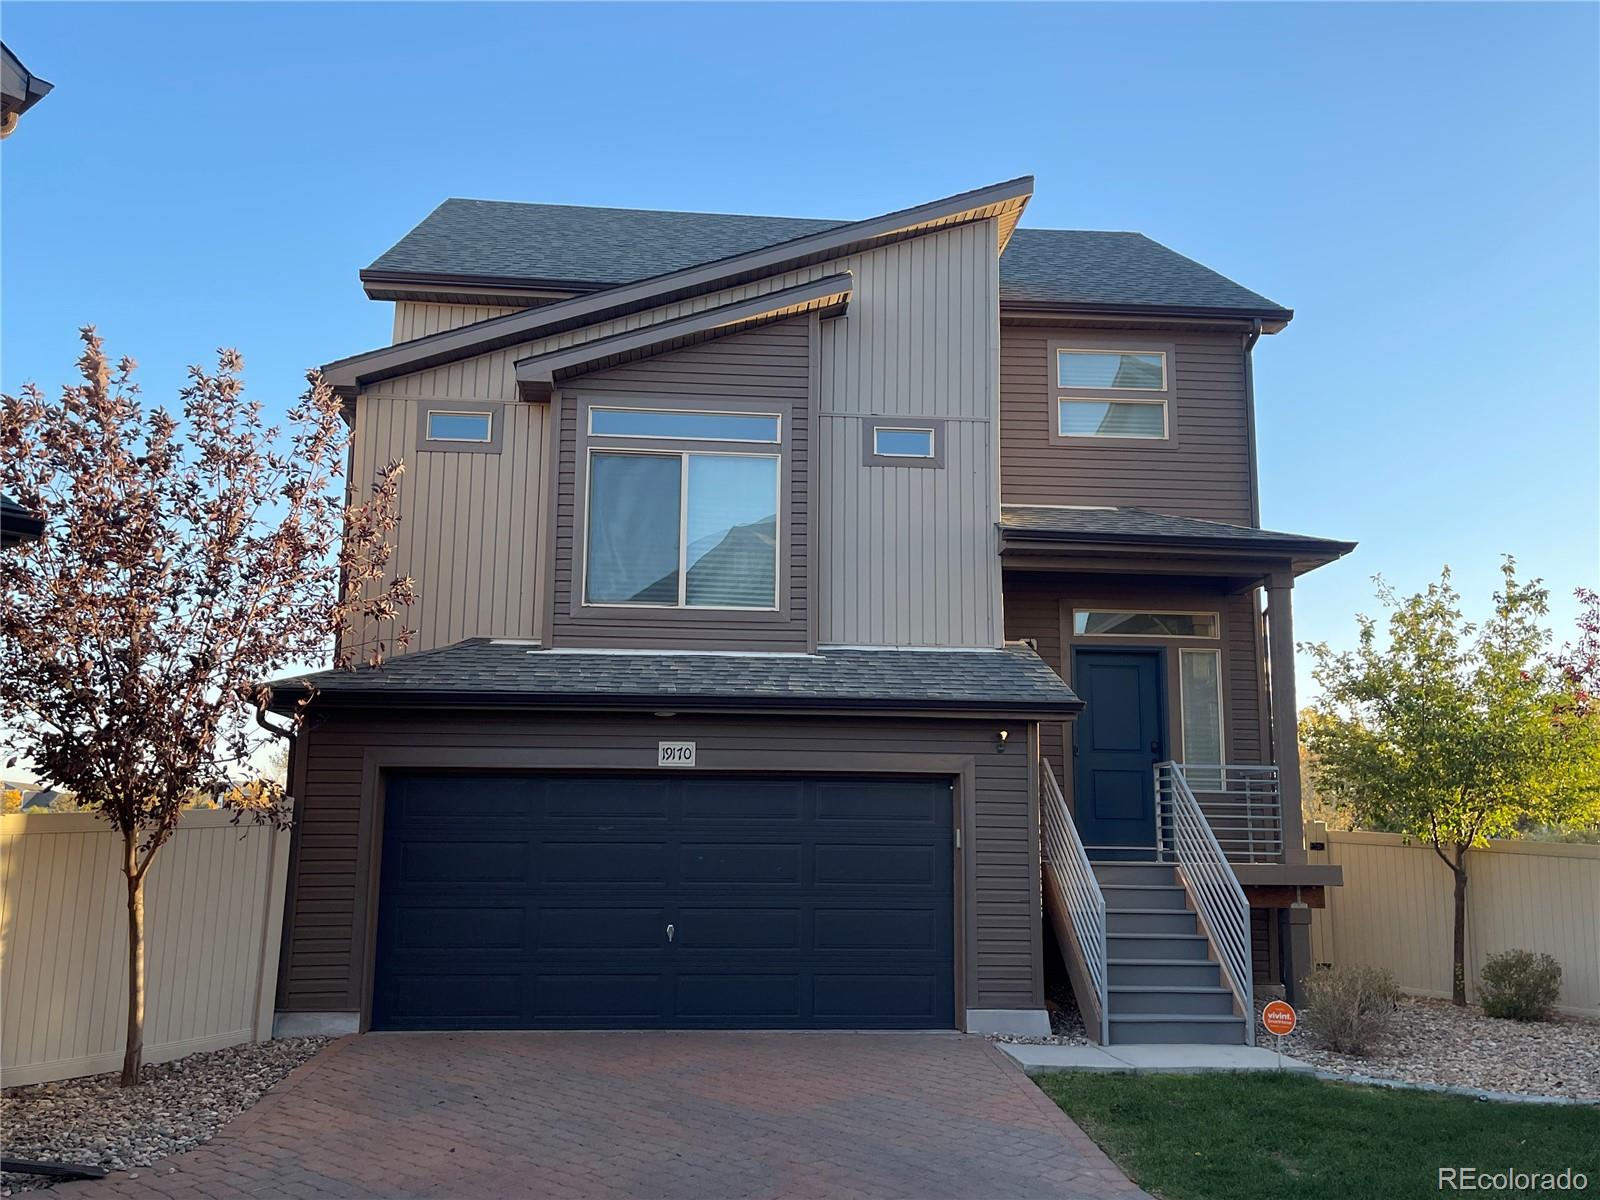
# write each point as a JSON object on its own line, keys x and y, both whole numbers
{"x": 1222, "y": 704}
{"x": 1216, "y": 617}
{"x": 776, "y": 440}
{"x": 879, "y": 452}
{"x": 683, "y": 456}
{"x": 1160, "y": 352}
{"x": 494, "y": 410}
{"x": 1166, "y": 396}
{"x": 869, "y": 442}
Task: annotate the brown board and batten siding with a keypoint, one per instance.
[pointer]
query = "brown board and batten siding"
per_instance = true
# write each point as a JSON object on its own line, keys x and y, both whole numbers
{"x": 764, "y": 370}
{"x": 333, "y": 884}
{"x": 1203, "y": 471}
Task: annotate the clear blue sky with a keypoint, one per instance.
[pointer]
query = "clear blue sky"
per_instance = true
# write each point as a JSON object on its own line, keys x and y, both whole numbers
{"x": 1418, "y": 182}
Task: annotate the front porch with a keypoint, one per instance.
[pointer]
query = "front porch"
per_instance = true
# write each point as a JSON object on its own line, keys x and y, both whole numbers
{"x": 1174, "y": 798}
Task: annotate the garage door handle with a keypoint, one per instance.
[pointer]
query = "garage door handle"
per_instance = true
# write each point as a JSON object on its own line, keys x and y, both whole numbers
{"x": 671, "y": 929}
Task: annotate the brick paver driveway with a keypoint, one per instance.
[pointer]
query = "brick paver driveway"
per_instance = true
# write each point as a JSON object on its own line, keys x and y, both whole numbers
{"x": 701, "y": 1116}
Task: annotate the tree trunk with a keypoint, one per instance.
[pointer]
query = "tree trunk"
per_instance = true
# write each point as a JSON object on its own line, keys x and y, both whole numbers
{"x": 133, "y": 1058}
{"x": 1458, "y": 975}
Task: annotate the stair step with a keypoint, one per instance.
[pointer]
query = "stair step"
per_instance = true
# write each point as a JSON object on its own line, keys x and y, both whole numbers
{"x": 1144, "y": 895}
{"x": 1147, "y": 1000}
{"x": 1183, "y": 947}
{"x": 1134, "y": 872}
{"x": 1162, "y": 972}
{"x": 1150, "y": 920}
{"x": 1171, "y": 1030}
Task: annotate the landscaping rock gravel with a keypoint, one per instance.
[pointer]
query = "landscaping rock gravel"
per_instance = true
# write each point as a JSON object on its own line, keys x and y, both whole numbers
{"x": 177, "y": 1105}
{"x": 1432, "y": 1041}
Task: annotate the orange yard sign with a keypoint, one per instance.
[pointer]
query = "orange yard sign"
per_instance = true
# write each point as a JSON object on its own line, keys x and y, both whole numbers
{"x": 1278, "y": 1017}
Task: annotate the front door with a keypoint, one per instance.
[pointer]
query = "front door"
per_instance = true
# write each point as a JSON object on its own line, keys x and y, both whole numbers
{"x": 1117, "y": 739}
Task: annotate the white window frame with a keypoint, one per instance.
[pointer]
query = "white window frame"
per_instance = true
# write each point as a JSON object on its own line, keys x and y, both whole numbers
{"x": 775, "y": 440}
{"x": 1103, "y": 351}
{"x": 933, "y": 440}
{"x": 486, "y": 414}
{"x": 1063, "y": 401}
{"x": 1215, "y": 617}
{"x": 683, "y": 457}
{"x": 1222, "y": 714}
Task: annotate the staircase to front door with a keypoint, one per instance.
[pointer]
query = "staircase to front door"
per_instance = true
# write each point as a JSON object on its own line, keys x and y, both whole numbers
{"x": 1161, "y": 983}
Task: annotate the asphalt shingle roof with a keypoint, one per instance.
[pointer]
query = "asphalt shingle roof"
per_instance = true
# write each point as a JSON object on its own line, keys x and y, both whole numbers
{"x": 556, "y": 243}
{"x": 1011, "y": 680}
{"x": 1137, "y": 524}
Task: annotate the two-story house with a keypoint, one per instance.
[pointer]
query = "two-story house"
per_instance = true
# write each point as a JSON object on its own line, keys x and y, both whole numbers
{"x": 789, "y": 592}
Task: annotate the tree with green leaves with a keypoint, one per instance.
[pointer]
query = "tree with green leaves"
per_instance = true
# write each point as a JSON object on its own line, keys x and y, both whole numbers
{"x": 1453, "y": 733}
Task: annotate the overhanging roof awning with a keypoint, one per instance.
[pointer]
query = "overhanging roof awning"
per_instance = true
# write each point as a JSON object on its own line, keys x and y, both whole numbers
{"x": 20, "y": 88}
{"x": 1002, "y": 200}
{"x": 538, "y": 376}
{"x": 1052, "y": 530}
{"x": 483, "y": 672}
{"x": 17, "y": 524}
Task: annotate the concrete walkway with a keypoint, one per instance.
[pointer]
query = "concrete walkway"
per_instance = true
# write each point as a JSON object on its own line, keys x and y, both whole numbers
{"x": 663, "y": 1116}
{"x": 1152, "y": 1060}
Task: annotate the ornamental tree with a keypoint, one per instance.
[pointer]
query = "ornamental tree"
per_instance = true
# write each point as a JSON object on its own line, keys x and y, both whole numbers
{"x": 1454, "y": 733}
{"x": 186, "y": 559}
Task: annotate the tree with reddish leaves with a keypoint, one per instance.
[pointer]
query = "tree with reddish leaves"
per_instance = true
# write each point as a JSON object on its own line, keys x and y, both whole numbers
{"x": 186, "y": 560}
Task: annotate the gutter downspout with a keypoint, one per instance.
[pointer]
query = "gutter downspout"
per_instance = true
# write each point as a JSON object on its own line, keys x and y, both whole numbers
{"x": 1250, "y": 340}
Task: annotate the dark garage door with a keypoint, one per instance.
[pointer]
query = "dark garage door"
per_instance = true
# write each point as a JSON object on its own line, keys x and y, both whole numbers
{"x": 523, "y": 902}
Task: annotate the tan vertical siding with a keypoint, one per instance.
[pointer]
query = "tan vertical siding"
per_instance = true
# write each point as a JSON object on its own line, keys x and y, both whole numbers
{"x": 908, "y": 555}
{"x": 766, "y": 369}
{"x": 414, "y": 319}
{"x": 1395, "y": 910}
{"x": 213, "y": 905}
{"x": 326, "y": 941}
{"x": 1206, "y": 473}
{"x": 470, "y": 524}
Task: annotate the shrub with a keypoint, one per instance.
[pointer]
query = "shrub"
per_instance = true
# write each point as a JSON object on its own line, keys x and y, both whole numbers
{"x": 1346, "y": 1008}
{"x": 1520, "y": 984}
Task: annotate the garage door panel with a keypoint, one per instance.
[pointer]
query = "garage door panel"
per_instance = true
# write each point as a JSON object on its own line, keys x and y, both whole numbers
{"x": 553, "y": 913}
{"x": 604, "y": 862}
{"x": 739, "y": 928}
{"x": 739, "y": 863}
{"x": 601, "y": 928}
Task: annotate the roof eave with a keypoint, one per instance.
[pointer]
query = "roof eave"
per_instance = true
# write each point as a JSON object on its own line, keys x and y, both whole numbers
{"x": 1273, "y": 319}
{"x": 1305, "y": 553}
{"x": 348, "y": 375}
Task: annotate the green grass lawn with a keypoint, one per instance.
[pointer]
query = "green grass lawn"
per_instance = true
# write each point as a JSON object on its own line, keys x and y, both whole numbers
{"x": 1275, "y": 1136}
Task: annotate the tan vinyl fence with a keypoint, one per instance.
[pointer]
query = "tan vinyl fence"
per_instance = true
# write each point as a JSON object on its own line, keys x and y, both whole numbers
{"x": 1396, "y": 907}
{"x": 213, "y": 916}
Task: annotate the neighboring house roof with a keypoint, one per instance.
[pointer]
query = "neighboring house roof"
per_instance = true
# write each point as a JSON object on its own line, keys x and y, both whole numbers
{"x": 485, "y": 671}
{"x": 17, "y": 524}
{"x": 1023, "y": 525}
{"x": 20, "y": 89}
{"x": 585, "y": 249}
{"x": 1001, "y": 200}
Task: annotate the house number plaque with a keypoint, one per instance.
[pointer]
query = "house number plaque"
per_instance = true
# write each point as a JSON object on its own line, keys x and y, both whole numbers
{"x": 674, "y": 754}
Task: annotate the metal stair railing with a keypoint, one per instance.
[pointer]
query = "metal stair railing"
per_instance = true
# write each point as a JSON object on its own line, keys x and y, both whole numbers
{"x": 1077, "y": 890}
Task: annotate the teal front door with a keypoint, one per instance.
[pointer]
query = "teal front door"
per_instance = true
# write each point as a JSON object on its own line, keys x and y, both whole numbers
{"x": 1117, "y": 739}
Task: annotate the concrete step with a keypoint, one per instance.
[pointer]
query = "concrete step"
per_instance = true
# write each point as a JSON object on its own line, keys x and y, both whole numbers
{"x": 1138, "y": 895}
{"x": 1149, "y": 874}
{"x": 1146, "y": 1000}
{"x": 1161, "y": 972}
{"x": 1167, "y": 1030}
{"x": 1150, "y": 920}
{"x": 1184, "y": 947}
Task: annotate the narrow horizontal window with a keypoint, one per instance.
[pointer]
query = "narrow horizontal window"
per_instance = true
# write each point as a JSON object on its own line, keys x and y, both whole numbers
{"x": 1109, "y": 623}
{"x": 1144, "y": 371}
{"x": 1112, "y": 418}
{"x": 892, "y": 442}
{"x": 444, "y": 426}
{"x": 695, "y": 426}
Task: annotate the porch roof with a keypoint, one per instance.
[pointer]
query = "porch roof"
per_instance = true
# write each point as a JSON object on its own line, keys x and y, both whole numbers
{"x": 1032, "y": 528}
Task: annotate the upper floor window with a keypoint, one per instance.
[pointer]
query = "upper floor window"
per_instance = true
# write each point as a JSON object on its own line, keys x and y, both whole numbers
{"x": 451, "y": 426}
{"x": 890, "y": 441}
{"x": 679, "y": 528}
{"x": 1111, "y": 391}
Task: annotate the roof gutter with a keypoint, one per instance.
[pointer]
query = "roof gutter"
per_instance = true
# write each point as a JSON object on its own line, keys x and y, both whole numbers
{"x": 1250, "y": 340}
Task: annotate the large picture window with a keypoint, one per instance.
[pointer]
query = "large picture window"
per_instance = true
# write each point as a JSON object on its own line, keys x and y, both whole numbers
{"x": 682, "y": 529}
